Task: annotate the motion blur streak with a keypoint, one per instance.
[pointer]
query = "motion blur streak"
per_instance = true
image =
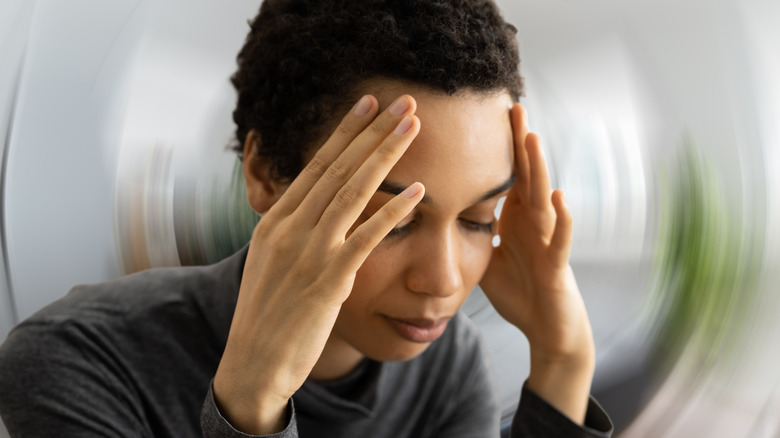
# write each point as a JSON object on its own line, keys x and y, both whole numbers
{"x": 658, "y": 119}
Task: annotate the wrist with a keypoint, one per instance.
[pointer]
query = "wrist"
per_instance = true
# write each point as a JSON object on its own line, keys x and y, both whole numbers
{"x": 564, "y": 380}
{"x": 577, "y": 357}
{"x": 262, "y": 418}
{"x": 258, "y": 413}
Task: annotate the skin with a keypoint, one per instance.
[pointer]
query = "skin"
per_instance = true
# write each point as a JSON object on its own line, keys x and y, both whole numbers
{"x": 323, "y": 271}
{"x": 429, "y": 264}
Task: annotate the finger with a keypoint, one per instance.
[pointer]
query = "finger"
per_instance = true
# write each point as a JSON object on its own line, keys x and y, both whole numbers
{"x": 540, "y": 181}
{"x": 350, "y": 201}
{"x": 354, "y": 122}
{"x": 560, "y": 244}
{"x": 522, "y": 167}
{"x": 368, "y": 235}
{"x": 378, "y": 136}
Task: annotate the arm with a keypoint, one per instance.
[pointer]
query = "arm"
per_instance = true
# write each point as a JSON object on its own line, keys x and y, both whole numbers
{"x": 302, "y": 262}
{"x": 535, "y": 417}
{"x": 214, "y": 424}
{"x": 39, "y": 364}
{"x": 531, "y": 285}
{"x": 475, "y": 407}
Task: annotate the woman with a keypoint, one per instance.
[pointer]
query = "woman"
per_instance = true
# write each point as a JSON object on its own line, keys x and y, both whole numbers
{"x": 376, "y": 138}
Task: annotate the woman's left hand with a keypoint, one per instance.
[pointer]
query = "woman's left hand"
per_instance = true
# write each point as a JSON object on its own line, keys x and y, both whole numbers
{"x": 531, "y": 285}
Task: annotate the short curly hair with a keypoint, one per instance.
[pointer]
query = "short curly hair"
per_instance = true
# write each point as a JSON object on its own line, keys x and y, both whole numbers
{"x": 304, "y": 61}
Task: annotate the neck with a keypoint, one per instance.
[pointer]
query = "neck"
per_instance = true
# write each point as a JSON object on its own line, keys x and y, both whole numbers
{"x": 337, "y": 360}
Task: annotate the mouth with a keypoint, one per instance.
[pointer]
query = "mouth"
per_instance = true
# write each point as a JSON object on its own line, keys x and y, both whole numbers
{"x": 420, "y": 330}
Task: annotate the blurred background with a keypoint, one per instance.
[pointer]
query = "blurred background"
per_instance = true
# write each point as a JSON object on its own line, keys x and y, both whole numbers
{"x": 659, "y": 120}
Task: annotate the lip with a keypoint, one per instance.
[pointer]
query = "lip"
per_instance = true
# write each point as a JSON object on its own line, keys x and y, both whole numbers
{"x": 420, "y": 330}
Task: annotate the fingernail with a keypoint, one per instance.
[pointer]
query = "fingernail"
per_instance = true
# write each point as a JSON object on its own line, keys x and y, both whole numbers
{"x": 399, "y": 106}
{"x": 403, "y": 126}
{"x": 412, "y": 191}
{"x": 363, "y": 106}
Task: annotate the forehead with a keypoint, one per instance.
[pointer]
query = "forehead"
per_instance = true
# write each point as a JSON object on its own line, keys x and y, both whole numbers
{"x": 464, "y": 146}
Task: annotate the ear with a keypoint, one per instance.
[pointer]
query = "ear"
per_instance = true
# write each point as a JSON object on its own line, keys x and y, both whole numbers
{"x": 262, "y": 190}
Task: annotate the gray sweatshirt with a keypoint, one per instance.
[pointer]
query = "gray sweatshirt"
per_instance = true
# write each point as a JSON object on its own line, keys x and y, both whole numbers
{"x": 134, "y": 357}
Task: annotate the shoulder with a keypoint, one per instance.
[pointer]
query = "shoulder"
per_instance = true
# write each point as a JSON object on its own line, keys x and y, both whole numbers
{"x": 154, "y": 305}
{"x": 145, "y": 292}
{"x": 118, "y": 339}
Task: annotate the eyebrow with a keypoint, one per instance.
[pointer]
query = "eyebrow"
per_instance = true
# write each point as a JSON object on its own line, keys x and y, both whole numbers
{"x": 395, "y": 188}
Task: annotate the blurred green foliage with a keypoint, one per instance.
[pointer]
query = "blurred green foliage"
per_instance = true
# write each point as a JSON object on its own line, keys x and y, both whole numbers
{"x": 708, "y": 263}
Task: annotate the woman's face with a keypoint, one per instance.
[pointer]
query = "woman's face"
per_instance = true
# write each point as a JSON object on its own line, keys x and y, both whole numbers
{"x": 423, "y": 271}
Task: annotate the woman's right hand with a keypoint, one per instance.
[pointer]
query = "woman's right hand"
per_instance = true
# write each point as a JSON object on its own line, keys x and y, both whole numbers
{"x": 302, "y": 263}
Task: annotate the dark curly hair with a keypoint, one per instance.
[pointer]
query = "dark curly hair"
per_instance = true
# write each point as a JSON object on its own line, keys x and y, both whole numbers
{"x": 304, "y": 60}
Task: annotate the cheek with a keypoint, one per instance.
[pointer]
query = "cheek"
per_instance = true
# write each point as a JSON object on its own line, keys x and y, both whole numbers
{"x": 477, "y": 254}
{"x": 379, "y": 274}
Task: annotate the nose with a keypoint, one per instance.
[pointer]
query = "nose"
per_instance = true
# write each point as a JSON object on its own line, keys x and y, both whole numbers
{"x": 435, "y": 267}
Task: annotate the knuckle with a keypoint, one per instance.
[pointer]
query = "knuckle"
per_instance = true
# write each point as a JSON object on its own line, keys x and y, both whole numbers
{"x": 345, "y": 197}
{"x": 280, "y": 249}
{"x": 385, "y": 214}
{"x": 262, "y": 234}
{"x": 391, "y": 214}
{"x": 360, "y": 240}
{"x": 378, "y": 127}
{"x": 284, "y": 242}
{"x": 338, "y": 171}
{"x": 315, "y": 291}
{"x": 563, "y": 218}
{"x": 347, "y": 127}
{"x": 316, "y": 166}
{"x": 386, "y": 153}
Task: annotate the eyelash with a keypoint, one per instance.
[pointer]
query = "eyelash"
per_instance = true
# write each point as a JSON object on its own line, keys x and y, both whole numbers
{"x": 471, "y": 226}
{"x": 479, "y": 226}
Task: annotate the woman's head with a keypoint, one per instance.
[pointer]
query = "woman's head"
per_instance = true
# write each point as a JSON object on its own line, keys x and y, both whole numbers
{"x": 304, "y": 61}
{"x": 302, "y": 68}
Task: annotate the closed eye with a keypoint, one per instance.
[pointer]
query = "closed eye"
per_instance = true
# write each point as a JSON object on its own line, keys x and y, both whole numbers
{"x": 480, "y": 227}
{"x": 399, "y": 232}
{"x": 470, "y": 226}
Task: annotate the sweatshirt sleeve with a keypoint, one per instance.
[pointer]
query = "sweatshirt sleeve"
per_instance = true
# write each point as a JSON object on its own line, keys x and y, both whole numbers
{"x": 535, "y": 417}
{"x": 51, "y": 386}
{"x": 214, "y": 425}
